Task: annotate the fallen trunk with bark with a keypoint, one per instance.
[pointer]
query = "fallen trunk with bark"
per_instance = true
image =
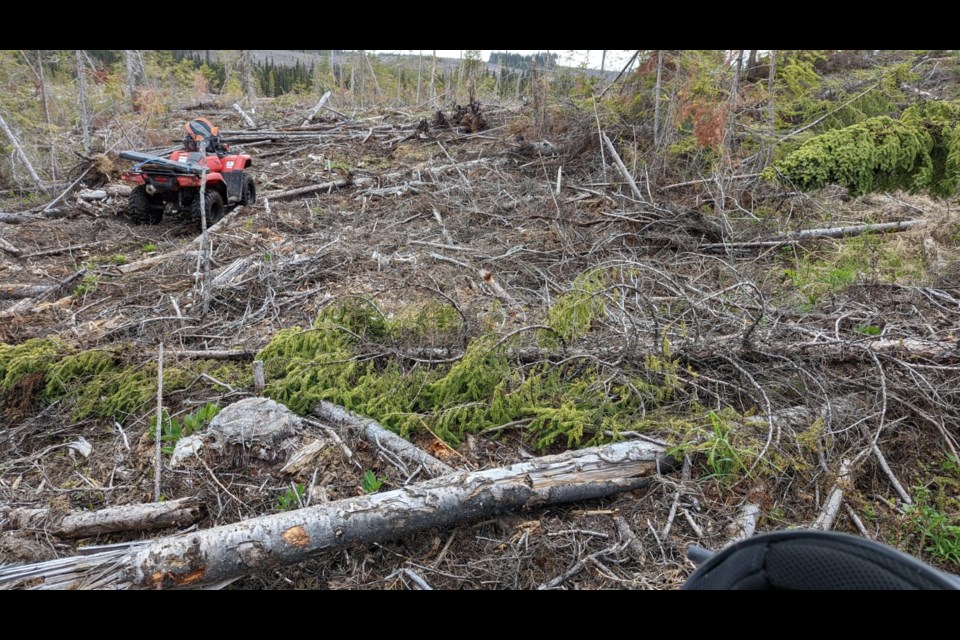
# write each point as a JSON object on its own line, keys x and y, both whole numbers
{"x": 83, "y": 524}
{"x": 377, "y": 435}
{"x": 221, "y": 553}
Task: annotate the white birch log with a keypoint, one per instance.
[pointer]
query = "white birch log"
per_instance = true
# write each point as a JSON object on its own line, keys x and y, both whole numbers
{"x": 320, "y": 103}
{"x": 129, "y": 517}
{"x": 243, "y": 114}
{"x": 221, "y": 553}
{"x": 374, "y": 433}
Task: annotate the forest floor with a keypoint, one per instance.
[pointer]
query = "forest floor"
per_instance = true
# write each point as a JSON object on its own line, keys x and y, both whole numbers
{"x": 766, "y": 366}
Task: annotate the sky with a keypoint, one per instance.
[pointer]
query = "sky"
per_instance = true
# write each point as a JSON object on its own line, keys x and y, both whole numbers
{"x": 615, "y": 58}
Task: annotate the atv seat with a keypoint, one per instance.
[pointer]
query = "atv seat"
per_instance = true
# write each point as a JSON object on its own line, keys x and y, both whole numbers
{"x": 201, "y": 130}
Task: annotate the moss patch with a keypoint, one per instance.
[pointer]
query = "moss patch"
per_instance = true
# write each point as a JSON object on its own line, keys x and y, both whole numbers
{"x": 573, "y": 404}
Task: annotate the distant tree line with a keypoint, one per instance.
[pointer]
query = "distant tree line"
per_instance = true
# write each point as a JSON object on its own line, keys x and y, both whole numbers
{"x": 518, "y": 61}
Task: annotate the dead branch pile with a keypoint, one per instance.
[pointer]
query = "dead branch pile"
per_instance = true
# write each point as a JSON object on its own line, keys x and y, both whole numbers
{"x": 853, "y": 380}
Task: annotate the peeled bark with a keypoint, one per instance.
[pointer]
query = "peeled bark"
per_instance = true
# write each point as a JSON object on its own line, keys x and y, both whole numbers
{"x": 224, "y": 552}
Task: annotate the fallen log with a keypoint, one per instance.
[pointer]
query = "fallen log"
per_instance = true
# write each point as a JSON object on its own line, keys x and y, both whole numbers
{"x": 18, "y": 218}
{"x": 374, "y": 433}
{"x": 27, "y": 304}
{"x": 302, "y": 191}
{"x": 20, "y": 291}
{"x": 213, "y": 354}
{"x": 911, "y": 348}
{"x": 32, "y": 215}
{"x": 113, "y": 190}
{"x": 221, "y": 553}
{"x": 828, "y": 514}
{"x": 9, "y": 248}
{"x": 817, "y": 234}
{"x": 746, "y": 523}
{"x": 83, "y": 524}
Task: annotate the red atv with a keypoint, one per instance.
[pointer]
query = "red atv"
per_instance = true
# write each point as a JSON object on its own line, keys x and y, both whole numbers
{"x": 169, "y": 185}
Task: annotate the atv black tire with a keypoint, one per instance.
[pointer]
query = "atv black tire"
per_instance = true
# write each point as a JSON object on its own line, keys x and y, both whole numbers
{"x": 139, "y": 207}
{"x": 214, "y": 204}
{"x": 249, "y": 196}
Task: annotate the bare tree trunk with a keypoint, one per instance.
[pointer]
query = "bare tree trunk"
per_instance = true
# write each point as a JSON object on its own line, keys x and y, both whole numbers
{"x": 353, "y": 79}
{"x": 20, "y": 153}
{"x": 656, "y": 99}
{"x": 246, "y": 116}
{"x": 131, "y": 81}
{"x": 363, "y": 77}
{"x": 135, "y": 72}
{"x": 433, "y": 77}
{"x": 320, "y": 103}
{"x": 456, "y": 93}
{"x": 46, "y": 114}
{"x": 246, "y": 75}
{"x": 603, "y": 62}
{"x": 82, "y": 91}
{"x": 734, "y": 91}
{"x": 221, "y": 553}
{"x": 207, "y": 249}
{"x": 373, "y": 74}
{"x": 399, "y": 76}
{"x": 158, "y": 434}
{"x": 771, "y": 121}
{"x": 419, "y": 74}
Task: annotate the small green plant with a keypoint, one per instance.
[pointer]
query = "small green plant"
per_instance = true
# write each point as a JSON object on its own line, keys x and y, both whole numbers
{"x": 87, "y": 285}
{"x": 336, "y": 165}
{"x": 291, "y": 499}
{"x": 722, "y": 458}
{"x": 149, "y": 247}
{"x": 372, "y": 482}
{"x": 951, "y": 465}
{"x": 174, "y": 429}
{"x": 869, "y": 330}
{"x": 116, "y": 259}
{"x": 939, "y": 532}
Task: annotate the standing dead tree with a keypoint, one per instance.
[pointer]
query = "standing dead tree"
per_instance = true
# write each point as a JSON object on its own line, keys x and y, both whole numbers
{"x": 82, "y": 97}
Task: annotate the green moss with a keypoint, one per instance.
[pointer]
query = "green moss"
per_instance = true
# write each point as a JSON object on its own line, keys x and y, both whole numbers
{"x": 96, "y": 383}
{"x": 34, "y": 356}
{"x": 77, "y": 370}
{"x": 570, "y": 404}
{"x": 572, "y": 314}
{"x": 918, "y": 152}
